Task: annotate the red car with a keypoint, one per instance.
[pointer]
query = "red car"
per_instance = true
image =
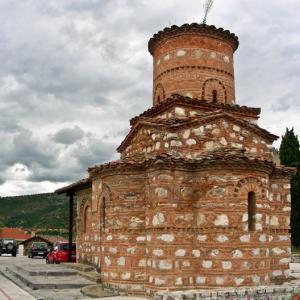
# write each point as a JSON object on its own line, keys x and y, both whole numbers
{"x": 60, "y": 253}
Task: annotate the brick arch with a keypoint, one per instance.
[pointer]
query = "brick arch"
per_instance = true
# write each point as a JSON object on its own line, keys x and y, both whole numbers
{"x": 103, "y": 200}
{"x": 85, "y": 202}
{"x": 211, "y": 85}
{"x": 159, "y": 93}
{"x": 249, "y": 184}
{"x": 87, "y": 216}
{"x": 250, "y": 191}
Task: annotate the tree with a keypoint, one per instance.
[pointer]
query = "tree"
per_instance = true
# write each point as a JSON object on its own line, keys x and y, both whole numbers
{"x": 289, "y": 154}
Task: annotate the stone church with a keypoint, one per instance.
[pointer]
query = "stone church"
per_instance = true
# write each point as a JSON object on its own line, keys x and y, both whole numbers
{"x": 195, "y": 200}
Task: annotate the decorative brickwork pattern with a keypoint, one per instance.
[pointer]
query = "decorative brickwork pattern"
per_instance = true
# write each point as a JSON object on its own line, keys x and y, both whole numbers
{"x": 180, "y": 224}
{"x": 195, "y": 200}
{"x": 195, "y": 61}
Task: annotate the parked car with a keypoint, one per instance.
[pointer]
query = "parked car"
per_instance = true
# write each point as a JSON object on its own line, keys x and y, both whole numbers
{"x": 60, "y": 253}
{"x": 38, "y": 249}
{"x": 8, "y": 246}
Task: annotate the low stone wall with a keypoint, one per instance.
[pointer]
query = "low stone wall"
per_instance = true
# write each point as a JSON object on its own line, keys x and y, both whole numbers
{"x": 259, "y": 293}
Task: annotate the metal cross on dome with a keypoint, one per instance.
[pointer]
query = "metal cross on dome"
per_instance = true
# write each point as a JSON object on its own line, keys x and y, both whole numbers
{"x": 207, "y": 6}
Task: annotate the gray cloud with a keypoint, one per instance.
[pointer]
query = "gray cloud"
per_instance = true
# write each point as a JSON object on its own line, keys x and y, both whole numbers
{"x": 68, "y": 136}
{"x": 286, "y": 102}
{"x": 25, "y": 149}
{"x": 7, "y": 125}
{"x": 95, "y": 152}
{"x": 74, "y": 72}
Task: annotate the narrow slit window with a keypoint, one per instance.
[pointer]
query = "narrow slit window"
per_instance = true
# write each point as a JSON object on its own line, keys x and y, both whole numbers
{"x": 158, "y": 99}
{"x": 103, "y": 213}
{"x": 86, "y": 219}
{"x": 251, "y": 211}
{"x": 215, "y": 96}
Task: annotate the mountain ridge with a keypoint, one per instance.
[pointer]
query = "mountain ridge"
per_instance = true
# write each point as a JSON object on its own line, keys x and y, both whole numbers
{"x": 46, "y": 210}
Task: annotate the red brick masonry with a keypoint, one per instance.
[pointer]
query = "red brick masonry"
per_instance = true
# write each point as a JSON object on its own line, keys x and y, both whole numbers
{"x": 195, "y": 200}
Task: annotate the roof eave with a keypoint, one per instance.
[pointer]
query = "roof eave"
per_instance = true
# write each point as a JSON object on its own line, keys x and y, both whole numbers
{"x": 74, "y": 187}
{"x": 271, "y": 137}
{"x": 253, "y": 112}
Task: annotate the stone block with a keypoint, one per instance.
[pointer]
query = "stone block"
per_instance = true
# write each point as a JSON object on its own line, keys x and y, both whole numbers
{"x": 168, "y": 238}
{"x": 158, "y": 219}
{"x": 180, "y": 252}
{"x": 165, "y": 265}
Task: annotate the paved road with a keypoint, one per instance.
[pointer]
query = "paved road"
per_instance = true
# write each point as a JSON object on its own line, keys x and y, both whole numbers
{"x": 51, "y": 294}
{"x": 10, "y": 291}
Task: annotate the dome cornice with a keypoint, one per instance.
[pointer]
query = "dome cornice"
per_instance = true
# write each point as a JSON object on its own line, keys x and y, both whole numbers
{"x": 195, "y": 29}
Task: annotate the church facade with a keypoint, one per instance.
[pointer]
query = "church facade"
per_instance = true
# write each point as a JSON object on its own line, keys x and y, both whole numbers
{"x": 195, "y": 200}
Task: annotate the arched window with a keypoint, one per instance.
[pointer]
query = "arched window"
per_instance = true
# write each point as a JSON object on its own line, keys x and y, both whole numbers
{"x": 214, "y": 96}
{"x": 87, "y": 213}
{"x": 103, "y": 216}
{"x": 159, "y": 93}
{"x": 213, "y": 90}
{"x": 251, "y": 211}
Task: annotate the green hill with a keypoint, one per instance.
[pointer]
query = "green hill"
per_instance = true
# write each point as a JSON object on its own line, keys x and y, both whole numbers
{"x": 38, "y": 211}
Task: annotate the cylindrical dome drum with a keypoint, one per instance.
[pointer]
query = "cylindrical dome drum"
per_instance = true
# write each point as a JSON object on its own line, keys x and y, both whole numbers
{"x": 194, "y": 60}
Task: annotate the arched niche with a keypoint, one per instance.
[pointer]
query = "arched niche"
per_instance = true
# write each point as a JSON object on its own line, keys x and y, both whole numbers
{"x": 159, "y": 94}
{"x": 87, "y": 218}
{"x": 213, "y": 90}
{"x": 251, "y": 210}
{"x": 102, "y": 205}
{"x": 250, "y": 191}
{"x": 82, "y": 211}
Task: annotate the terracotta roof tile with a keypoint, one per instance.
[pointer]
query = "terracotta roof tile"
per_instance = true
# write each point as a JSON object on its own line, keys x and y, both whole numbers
{"x": 14, "y": 233}
{"x": 47, "y": 238}
{"x": 196, "y": 103}
{"x": 194, "y": 28}
{"x": 54, "y": 238}
{"x": 229, "y": 158}
{"x": 74, "y": 186}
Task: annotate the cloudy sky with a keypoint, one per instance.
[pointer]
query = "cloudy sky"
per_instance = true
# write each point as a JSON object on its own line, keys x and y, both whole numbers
{"x": 73, "y": 72}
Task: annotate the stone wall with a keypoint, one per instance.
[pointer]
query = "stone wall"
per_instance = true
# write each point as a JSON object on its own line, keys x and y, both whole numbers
{"x": 198, "y": 137}
{"x": 181, "y": 229}
{"x": 85, "y": 240}
{"x": 280, "y": 206}
{"x": 185, "y": 112}
{"x": 287, "y": 291}
{"x": 198, "y": 231}
{"x": 114, "y": 240}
